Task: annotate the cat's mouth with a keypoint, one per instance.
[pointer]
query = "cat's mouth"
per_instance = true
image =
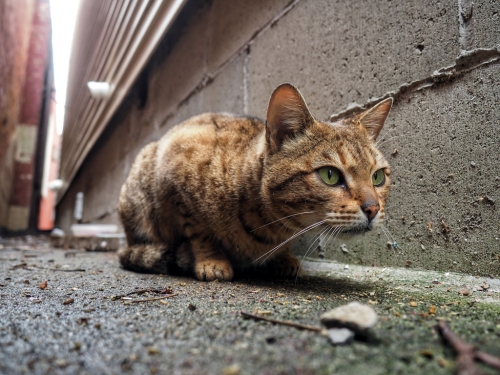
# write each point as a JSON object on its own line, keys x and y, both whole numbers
{"x": 358, "y": 229}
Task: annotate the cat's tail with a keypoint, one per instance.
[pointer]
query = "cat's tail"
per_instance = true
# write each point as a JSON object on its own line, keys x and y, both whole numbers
{"x": 149, "y": 258}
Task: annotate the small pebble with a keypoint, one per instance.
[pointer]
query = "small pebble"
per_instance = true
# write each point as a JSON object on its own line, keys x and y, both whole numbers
{"x": 339, "y": 336}
{"x": 232, "y": 370}
{"x": 153, "y": 351}
{"x": 354, "y": 316}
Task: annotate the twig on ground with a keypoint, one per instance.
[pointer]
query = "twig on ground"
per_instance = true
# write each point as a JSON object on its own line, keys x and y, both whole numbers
{"x": 68, "y": 270}
{"x": 282, "y": 322}
{"x": 488, "y": 359}
{"x": 141, "y": 291}
{"x": 152, "y": 299}
{"x": 466, "y": 353}
{"x": 21, "y": 265}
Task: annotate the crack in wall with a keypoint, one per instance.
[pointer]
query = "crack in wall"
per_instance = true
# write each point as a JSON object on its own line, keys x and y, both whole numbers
{"x": 245, "y": 82}
{"x": 466, "y": 24}
{"x": 464, "y": 63}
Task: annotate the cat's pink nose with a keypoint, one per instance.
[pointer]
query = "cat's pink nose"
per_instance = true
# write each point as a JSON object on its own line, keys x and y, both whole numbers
{"x": 370, "y": 209}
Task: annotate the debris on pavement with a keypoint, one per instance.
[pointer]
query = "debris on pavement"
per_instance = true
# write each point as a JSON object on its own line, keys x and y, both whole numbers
{"x": 38, "y": 333}
{"x": 68, "y": 270}
{"x": 142, "y": 291}
{"x": 282, "y": 322}
{"x": 151, "y": 299}
{"x": 355, "y": 316}
{"x": 466, "y": 353}
{"x": 339, "y": 336}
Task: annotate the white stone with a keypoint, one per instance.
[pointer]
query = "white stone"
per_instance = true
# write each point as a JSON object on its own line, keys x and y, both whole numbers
{"x": 354, "y": 316}
{"x": 339, "y": 336}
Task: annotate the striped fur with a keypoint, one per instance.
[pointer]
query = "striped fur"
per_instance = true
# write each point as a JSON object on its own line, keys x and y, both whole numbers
{"x": 219, "y": 193}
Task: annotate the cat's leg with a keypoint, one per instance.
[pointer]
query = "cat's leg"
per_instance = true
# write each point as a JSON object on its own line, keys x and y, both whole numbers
{"x": 150, "y": 258}
{"x": 210, "y": 263}
{"x": 284, "y": 264}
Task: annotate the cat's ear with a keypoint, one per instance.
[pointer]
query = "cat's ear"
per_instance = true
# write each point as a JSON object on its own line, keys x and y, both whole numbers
{"x": 287, "y": 115}
{"x": 373, "y": 119}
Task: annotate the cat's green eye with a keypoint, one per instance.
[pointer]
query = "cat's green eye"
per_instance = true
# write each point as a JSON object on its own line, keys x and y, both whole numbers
{"x": 330, "y": 175}
{"x": 378, "y": 178}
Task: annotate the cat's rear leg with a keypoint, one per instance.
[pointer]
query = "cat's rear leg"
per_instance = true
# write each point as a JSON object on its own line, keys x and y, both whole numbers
{"x": 150, "y": 258}
{"x": 210, "y": 263}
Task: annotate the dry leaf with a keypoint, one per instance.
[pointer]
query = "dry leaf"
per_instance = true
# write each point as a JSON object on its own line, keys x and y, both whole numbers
{"x": 464, "y": 292}
{"x": 153, "y": 351}
{"x": 43, "y": 285}
{"x": 263, "y": 312}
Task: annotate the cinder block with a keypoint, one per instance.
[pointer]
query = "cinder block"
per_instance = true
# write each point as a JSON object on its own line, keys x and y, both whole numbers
{"x": 182, "y": 70}
{"x": 234, "y": 23}
{"x": 442, "y": 208}
{"x": 223, "y": 94}
{"x": 486, "y": 23}
{"x": 337, "y": 52}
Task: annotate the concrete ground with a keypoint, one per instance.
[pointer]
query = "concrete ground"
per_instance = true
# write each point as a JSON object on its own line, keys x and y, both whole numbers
{"x": 75, "y": 326}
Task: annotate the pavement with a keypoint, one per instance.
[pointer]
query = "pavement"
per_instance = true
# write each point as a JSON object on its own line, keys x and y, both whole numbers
{"x": 79, "y": 324}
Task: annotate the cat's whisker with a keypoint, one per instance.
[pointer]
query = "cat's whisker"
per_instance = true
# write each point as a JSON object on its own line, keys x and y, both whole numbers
{"x": 391, "y": 238}
{"x": 387, "y": 140}
{"x": 294, "y": 236}
{"x": 335, "y": 233}
{"x": 270, "y": 252}
{"x": 283, "y": 218}
{"x": 384, "y": 136}
{"x": 384, "y": 229}
{"x": 315, "y": 238}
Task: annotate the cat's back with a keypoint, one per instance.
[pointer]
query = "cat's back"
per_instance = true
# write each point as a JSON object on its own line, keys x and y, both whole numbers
{"x": 201, "y": 140}
{"x": 223, "y": 128}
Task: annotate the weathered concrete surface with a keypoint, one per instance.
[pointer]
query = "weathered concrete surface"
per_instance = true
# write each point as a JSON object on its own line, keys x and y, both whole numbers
{"x": 181, "y": 73}
{"x": 222, "y": 94}
{"x": 445, "y": 170}
{"x": 340, "y": 52}
{"x": 235, "y": 23}
{"x": 95, "y": 334}
{"x": 479, "y": 24}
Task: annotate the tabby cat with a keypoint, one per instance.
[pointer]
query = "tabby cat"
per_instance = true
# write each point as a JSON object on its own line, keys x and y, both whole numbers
{"x": 220, "y": 193}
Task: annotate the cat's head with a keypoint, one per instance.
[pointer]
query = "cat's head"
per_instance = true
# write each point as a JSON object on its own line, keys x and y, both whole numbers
{"x": 324, "y": 172}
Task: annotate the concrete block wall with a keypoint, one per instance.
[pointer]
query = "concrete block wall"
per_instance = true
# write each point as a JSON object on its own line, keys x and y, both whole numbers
{"x": 440, "y": 60}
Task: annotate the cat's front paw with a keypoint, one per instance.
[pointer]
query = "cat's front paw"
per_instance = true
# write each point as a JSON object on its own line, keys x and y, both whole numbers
{"x": 209, "y": 270}
{"x": 285, "y": 265}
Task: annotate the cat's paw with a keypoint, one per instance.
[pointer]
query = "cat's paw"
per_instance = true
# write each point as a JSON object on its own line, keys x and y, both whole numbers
{"x": 285, "y": 265}
{"x": 209, "y": 270}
